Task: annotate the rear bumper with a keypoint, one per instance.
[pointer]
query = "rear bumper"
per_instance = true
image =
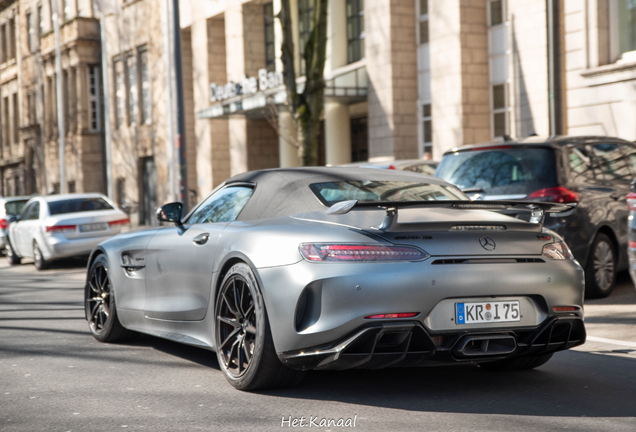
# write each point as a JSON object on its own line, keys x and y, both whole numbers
{"x": 408, "y": 344}
{"x": 57, "y": 246}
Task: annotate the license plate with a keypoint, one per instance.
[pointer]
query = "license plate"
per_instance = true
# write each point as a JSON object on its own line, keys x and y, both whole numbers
{"x": 93, "y": 227}
{"x": 487, "y": 312}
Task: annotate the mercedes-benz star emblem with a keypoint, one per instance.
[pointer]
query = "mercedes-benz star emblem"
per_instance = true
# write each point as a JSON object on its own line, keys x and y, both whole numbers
{"x": 487, "y": 243}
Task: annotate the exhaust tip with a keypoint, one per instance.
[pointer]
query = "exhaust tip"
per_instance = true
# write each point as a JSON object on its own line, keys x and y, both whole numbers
{"x": 485, "y": 345}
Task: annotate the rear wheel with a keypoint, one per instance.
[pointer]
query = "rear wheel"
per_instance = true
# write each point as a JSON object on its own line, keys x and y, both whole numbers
{"x": 38, "y": 258}
{"x": 99, "y": 299}
{"x": 244, "y": 344}
{"x": 518, "y": 363}
{"x": 600, "y": 272}
{"x": 12, "y": 258}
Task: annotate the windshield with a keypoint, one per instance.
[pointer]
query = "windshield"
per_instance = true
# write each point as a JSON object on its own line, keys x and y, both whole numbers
{"x": 378, "y": 191}
{"x": 501, "y": 171}
{"x": 14, "y": 207}
{"x": 78, "y": 205}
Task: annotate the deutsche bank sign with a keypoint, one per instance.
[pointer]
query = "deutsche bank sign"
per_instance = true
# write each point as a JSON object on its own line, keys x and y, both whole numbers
{"x": 247, "y": 86}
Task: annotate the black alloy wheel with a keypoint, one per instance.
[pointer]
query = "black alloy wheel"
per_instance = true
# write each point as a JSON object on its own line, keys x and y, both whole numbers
{"x": 101, "y": 312}
{"x": 12, "y": 258}
{"x": 236, "y": 321}
{"x": 244, "y": 344}
{"x": 38, "y": 258}
{"x": 600, "y": 272}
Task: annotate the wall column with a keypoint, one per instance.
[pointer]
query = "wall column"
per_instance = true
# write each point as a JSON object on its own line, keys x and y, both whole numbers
{"x": 337, "y": 133}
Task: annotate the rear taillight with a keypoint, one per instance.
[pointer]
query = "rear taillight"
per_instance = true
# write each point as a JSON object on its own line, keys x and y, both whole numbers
{"x": 565, "y": 308}
{"x": 61, "y": 229}
{"x": 323, "y": 252}
{"x": 631, "y": 245}
{"x": 119, "y": 222}
{"x": 557, "y": 251}
{"x": 4, "y": 224}
{"x": 557, "y": 194}
{"x": 631, "y": 201}
{"x": 393, "y": 315}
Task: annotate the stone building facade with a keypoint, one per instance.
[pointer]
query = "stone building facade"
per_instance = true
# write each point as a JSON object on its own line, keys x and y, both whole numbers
{"x": 30, "y": 160}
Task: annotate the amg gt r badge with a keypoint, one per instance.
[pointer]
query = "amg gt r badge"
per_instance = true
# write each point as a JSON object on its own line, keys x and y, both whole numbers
{"x": 487, "y": 243}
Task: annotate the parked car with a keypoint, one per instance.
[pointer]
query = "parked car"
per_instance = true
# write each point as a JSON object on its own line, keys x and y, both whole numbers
{"x": 631, "y": 231}
{"x": 9, "y": 206}
{"x": 414, "y": 165}
{"x": 593, "y": 172}
{"x": 61, "y": 226}
{"x": 285, "y": 270}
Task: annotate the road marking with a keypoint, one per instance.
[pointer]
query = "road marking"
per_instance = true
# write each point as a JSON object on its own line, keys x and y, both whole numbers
{"x": 611, "y": 341}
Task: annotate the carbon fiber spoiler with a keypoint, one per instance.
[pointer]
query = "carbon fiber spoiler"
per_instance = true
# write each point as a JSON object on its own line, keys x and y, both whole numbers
{"x": 537, "y": 210}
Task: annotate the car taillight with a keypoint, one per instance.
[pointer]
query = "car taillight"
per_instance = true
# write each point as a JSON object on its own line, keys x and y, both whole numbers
{"x": 119, "y": 222}
{"x": 631, "y": 201}
{"x": 393, "y": 315}
{"x": 61, "y": 229}
{"x": 557, "y": 194}
{"x": 4, "y": 224}
{"x": 324, "y": 252}
{"x": 557, "y": 251}
{"x": 565, "y": 308}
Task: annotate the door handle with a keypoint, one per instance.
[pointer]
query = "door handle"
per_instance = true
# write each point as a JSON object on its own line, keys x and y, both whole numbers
{"x": 201, "y": 239}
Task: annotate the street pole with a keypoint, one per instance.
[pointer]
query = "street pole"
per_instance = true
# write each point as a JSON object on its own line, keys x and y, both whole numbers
{"x": 60, "y": 101}
{"x": 181, "y": 137}
{"x": 170, "y": 139}
{"x": 106, "y": 116}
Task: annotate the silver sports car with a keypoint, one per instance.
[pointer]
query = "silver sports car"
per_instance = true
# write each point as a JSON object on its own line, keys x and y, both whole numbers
{"x": 280, "y": 271}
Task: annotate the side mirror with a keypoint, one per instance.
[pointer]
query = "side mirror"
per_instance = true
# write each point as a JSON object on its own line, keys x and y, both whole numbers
{"x": 170, "y": 213}
{"x": 12, "y": 218}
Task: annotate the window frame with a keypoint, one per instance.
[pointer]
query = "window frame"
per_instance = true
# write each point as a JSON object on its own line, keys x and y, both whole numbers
{"x": 357, "y": 42}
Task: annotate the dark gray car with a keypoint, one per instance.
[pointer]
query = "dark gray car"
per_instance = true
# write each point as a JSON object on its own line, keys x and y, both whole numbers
{"x": 593, "y": 172}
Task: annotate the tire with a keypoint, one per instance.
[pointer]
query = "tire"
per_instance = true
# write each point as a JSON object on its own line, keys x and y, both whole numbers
{"x": 600, "y": 271}
{"x": 99, "y": 300}
{"x": 38, "y": 258}
{"x": 517, "y": 363}
{"x": 12, "y": 258}
{"x": 244, "y": 344}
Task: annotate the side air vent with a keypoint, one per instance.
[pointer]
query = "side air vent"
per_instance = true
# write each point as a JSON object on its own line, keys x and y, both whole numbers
{"x": 487, "y": 261}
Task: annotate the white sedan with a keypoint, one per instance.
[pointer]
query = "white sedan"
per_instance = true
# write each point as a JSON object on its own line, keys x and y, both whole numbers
{"x": 61, "y": 226}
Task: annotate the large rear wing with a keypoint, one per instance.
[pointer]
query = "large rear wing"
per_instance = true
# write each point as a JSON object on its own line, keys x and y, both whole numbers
{"x": 537, "y": 210}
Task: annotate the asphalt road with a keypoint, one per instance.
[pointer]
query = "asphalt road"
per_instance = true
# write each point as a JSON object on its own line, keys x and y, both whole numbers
{"x": 55, "y": 377}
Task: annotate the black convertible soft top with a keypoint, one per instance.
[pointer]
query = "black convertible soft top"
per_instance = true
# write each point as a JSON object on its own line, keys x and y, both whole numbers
{"x": 285, "y": 191}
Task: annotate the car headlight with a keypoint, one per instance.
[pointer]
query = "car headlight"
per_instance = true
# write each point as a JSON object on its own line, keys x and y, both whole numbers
{"x": 557, "y": 250}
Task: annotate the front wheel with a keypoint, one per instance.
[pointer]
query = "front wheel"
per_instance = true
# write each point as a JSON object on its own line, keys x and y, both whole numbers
{"x": 244, "y": 345}
{"x": 12, "y": 258}
{"x": 600, "y": 272}
{"x": 99, "y": 300}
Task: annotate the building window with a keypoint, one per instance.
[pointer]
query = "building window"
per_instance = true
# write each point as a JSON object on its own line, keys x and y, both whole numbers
{"x": 146, "y": 95}
{"x": 94, "y": 101}
{"x": 40, "y": 21}
{"x": 67, "y": 10}
{"x": 6, "y": 125}
{"x": 423, "y": 21}
{"x": 121, "y": 192}
{"x": 31, "y": 30}
{"x": 622, "y": 27}
{"x": 120, "y": 96}
{"x": 3, "y": 43}
{"x": 355, "y": 30}
{"x": 50, "y": 15}
{"x": 12, "y": 41}
{"x": 131, "y": 89}
{"x": 31, "y": 101}
{"x": 305, "y": 11}
{"x": 16, "y": 119}
{"x": 499, "y": 56}
{"x": 66, "y": 103}
{"x": 270, "y": 45}
{"x": 71, "y": 187}
{"x": 427, "y": 129}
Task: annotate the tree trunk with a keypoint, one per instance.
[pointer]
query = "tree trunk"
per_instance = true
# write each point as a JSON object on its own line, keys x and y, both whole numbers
{"x": 306, "y": 107}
